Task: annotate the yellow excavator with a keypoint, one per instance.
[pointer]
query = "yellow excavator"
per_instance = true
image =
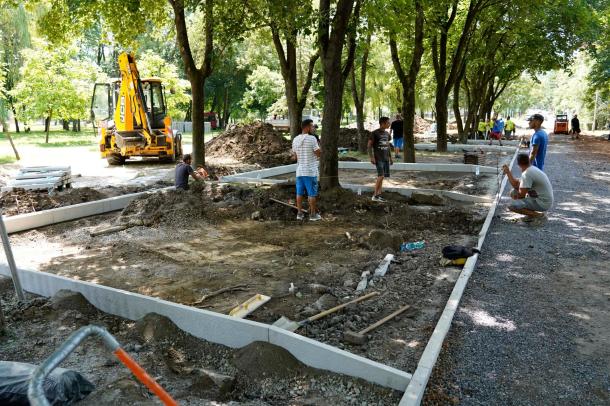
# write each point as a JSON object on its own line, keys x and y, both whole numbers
{"x": 130, "y": 117}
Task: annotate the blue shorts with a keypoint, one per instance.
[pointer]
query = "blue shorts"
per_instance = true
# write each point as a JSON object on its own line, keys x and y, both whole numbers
{"x": 307, "y": 184}
{"x": 383, "y": 168}
{"x": 398, "y": 142}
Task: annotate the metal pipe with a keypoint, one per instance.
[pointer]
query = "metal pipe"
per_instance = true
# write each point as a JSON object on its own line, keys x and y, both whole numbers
{"x": 36, "y": 394}
{"x": 10, "y": 259}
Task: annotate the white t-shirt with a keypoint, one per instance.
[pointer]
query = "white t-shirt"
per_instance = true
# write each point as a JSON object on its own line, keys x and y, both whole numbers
{"x": 539, "y": 186}
{"x": 304, "y": 146}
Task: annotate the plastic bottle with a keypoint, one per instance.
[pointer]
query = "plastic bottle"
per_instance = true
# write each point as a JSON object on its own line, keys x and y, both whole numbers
{"x": 411, "y": 246}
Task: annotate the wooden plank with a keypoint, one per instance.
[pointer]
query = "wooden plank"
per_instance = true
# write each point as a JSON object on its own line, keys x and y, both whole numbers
{"x": 249, "y": 306}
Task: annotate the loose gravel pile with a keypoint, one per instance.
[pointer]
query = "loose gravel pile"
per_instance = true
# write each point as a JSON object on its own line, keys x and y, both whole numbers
{"x": 534, "y": 322}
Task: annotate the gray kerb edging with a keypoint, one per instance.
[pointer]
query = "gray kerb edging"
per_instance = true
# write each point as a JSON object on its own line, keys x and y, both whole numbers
{"x": 216, "y": 327}
{"x": 28, "y": 221}
{"x": 415, "y": 390}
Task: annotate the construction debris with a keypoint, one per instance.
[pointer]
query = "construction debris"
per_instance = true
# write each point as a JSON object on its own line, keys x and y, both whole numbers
{"x": 249, "y": 306}
{"x": 46, "y": 178}
{"x": 219, "y": 292}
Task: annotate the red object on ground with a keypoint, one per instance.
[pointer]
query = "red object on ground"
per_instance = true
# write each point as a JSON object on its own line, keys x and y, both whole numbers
{"x": 143, "y": 377}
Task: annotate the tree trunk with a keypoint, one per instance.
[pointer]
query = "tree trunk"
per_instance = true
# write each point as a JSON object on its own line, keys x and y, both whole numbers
{"x": 225, "y": 109}
{"x": 331, "y": 45}
{"x": 15, "y": 118}
{"x": 331, "y": 123}
{"x": 198, "y": 97}
{"x": 295, "y": 114}
{"x": 457, "y": 112}
{"x": 74, "y": 126}
{"x": 65, "y": 125}
{"x": 441, "y": 121}
{"x": 47, "y": 124}
{"x": 10, "y": 139}
{"x": 78, "y": 125}
{"x": 359, "y": 94}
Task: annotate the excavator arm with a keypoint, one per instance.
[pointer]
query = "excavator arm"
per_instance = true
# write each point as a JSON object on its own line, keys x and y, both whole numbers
{"x": 131, "y": 113}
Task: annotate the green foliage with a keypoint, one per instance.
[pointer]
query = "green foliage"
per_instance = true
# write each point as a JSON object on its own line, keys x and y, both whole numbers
{"x": 177, "y": 98}
{"x": 54, "y": 83}
{"x": 265, "y": 87}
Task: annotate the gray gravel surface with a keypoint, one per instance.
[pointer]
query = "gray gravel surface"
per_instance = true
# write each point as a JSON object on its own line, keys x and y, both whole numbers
{"x": 533, "y": 326}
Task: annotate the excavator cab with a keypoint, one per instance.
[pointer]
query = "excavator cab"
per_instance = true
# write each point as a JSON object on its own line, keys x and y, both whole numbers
{"x": 130, "y": 117}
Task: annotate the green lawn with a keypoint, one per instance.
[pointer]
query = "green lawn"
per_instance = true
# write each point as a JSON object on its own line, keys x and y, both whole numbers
{"x": 57, "y": 138}
{"x": 7, "y": 159}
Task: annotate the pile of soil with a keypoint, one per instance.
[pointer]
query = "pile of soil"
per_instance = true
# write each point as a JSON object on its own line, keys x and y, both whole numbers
{"x": 421, "y": 125}
{"x": 255, "y": 143}
{"x": 21, "y": 201}
{"x": 348, "y": 138}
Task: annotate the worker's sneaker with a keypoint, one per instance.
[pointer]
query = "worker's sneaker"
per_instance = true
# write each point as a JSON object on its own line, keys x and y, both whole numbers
{"x": 315, "y": 217}
{"x": 301, "y": 216}
{"x": 378, "y": 198}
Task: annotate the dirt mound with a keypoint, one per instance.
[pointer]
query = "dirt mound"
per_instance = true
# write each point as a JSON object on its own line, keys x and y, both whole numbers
{"x": 154, "y": 327}
{"x": 21, "y": 201}
{"x": 260, "y": 358}
{"x": 68, "y": 300}
{"x": 348, "y": 138}
{"x": 255, "y": 143}
{"x": 420, "y": 125}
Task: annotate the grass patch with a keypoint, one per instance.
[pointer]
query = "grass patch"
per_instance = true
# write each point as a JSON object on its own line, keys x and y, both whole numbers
{"x": 57, "y": 138}
{"x": 7, "y": 159}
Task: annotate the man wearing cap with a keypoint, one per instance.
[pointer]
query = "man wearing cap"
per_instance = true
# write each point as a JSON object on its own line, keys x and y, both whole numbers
{"x": 533, "y": 193}
{"x": 183, "y": 170}
{"x": 539, "y": 141}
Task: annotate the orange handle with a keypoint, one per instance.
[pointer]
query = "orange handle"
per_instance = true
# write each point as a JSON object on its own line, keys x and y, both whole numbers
{"x": 143, "y": 377}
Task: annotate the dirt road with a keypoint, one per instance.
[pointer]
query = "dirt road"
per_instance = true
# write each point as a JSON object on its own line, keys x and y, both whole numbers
{"x": 534, "y": 323}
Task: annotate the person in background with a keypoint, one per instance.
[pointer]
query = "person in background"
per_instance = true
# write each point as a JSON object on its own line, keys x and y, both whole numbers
{"x": 482, "y": 129}
{"x": 575, "y": 133}
{"x": 314, "y": 132}
{"x": 539, "y": 141}
{"x": 396, "y": 132}
{"x": 490, "y": 125}
{"x": 533, "y": 193}
{"x": 496, "y": 131}
{"x": 380, "y": 152}
{"x": 306, "y": 151}
{"x": 509, "y": 128}
{"x": 183, "y": 170}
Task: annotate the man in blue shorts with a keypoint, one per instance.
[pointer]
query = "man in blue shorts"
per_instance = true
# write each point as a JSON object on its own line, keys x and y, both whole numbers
{"x": 380, "y": 153}
{"x": 306, "y": 150}
{"x": 539, "y": 141}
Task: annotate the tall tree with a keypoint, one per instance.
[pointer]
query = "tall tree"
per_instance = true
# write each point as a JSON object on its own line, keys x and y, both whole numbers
{"x": 408, "y": 79}
{"x": 336, "y": 29}
{"x": 358, "y": 88}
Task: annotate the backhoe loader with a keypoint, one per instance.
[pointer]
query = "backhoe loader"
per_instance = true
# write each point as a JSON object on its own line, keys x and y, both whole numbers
{"x": 131, "y": 118}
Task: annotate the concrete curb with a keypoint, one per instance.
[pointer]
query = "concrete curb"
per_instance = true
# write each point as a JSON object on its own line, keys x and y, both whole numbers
{"x": 216, "y": 327}
{"x": 409, "y": 191}
{"x": 417, "y": 386}
{"x": 28, "y": 221}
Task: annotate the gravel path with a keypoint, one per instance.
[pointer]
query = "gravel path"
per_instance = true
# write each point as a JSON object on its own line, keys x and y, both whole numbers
{"x": 533, "y": 326}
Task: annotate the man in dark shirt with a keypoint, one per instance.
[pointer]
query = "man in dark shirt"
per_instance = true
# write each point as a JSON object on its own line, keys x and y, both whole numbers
{"x": 397, "y": 134}
{"x": 380, "y": 153}
{"x": 183, "y": 170}
{"x": 575, "y": 127}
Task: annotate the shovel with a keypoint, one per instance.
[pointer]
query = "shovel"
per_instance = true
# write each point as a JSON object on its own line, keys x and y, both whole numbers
{"x": 290, "y": 325}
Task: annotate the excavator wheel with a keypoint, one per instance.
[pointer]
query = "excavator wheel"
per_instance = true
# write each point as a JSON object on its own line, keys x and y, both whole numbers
{"x": 115, "y": 159}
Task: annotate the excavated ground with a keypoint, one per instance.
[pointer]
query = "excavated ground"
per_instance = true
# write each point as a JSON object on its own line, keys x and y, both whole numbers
{"x": 193, "y": 371}
{"x": 183, "y": 245}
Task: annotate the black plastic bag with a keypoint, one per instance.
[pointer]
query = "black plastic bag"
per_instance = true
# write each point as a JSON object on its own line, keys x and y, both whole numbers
{"x": 61, "y": 387}
{"x": 459, "y": 251}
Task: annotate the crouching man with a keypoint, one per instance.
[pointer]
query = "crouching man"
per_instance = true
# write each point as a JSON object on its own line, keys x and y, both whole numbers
{"x": 533, "y": 193}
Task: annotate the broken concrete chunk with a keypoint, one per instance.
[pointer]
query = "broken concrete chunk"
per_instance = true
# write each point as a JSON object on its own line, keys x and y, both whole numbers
{"x": 256, "y": 215}
{"x": 206, "y": 381}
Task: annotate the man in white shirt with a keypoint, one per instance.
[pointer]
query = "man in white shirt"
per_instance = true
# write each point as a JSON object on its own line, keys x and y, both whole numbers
{"x": 306, "y": 151}
{"x": 533, "y": 193}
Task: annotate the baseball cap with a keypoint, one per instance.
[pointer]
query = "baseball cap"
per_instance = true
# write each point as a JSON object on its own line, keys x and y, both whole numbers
{"x": 536, "y": 117}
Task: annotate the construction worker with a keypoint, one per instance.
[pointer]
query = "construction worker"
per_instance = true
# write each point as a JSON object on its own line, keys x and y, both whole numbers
{"x": 396, "y": 131}
{"x": 539, "y": 141}
{"x": 490, "y": 125}
{"x": 482, "y": 129}
{"x": 306, "y": 151}
{"x": 496, "y": 131}
{"x": 533, "y": 193}
{"x": 509, "y": 128}
{"x": 380, "y": 153}
{"x": 183, "y": 170}
{"x": 575, "y": 133}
